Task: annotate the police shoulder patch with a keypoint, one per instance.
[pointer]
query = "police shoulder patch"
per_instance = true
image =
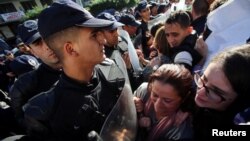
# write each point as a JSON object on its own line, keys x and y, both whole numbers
{"x": 32, "y": 62}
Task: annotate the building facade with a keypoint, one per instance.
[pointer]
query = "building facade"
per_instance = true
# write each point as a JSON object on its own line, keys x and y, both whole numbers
{"x": 11, "y": 13}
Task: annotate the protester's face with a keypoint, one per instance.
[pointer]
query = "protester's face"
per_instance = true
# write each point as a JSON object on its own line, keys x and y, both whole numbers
{"x": 165, "y": 98}
{"x": 175, "y": 34}
{"x": 215, "y": 91}
{"x": 145, "y": 14}
{"x": 90, "y": 46}
{"x": 111, "y": 36}
{"x": 42, "y": 51}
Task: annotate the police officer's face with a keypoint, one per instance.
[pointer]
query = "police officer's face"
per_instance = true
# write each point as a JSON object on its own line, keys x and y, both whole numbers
{"x": 23, "y": 48}
{"x": 175, "y": 34}
{"x": 111, "y": 37}
{"x": 130, "y": 29}
{"x": 90, "y": 46}
{"x": 41, "y": 50}
{"x": 145, "y": 14}
{"x": 154, "y": 11}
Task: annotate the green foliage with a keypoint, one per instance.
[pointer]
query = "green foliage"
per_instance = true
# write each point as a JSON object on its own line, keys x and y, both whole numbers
{"x": 33, "y": 13}
{"x": 100, "y": 5}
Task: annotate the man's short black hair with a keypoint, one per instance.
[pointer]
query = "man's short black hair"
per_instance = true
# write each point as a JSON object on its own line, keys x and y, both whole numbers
{"x": 201, "y": 7}
{"x": 180, "y": 17}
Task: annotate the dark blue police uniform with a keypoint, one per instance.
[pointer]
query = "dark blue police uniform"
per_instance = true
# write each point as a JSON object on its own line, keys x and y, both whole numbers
{"x": 73, "y": 109}
{"x": 31, "y": 84}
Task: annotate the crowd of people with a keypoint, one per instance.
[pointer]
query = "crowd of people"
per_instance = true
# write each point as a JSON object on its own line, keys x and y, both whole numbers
{"x": 71, "y": 69}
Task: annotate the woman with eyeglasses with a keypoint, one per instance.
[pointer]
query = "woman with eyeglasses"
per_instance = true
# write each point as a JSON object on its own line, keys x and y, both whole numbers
{"x": 223, "y": 90}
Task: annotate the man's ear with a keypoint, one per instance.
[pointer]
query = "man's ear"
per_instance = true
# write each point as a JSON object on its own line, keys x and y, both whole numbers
{"x": 69, "y": 49}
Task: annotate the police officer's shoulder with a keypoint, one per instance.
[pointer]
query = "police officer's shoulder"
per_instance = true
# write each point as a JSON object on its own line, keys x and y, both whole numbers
{"x": 110, "y": 69}
{"x": 107, "y": 62}
{"x": 40, "y": 105}
{"x": 121, "y": 39}
{"x": 25, "y": 81}
{"x": 122, "y": 45}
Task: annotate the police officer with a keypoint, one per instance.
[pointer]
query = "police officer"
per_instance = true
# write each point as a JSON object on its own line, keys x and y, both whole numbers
{"x": 36, "y": 81}
{"x": 130, "y": 24}
{"x": 116, "y": 48}
{"x": 112, "y": 50}
{"x": 82, "y": 99}
{"x": 143, "y": 9}
{"x": 23, "y": 64}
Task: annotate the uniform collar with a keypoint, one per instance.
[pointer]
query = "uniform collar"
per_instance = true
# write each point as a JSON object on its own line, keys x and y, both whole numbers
{"x": 69, "y": 82}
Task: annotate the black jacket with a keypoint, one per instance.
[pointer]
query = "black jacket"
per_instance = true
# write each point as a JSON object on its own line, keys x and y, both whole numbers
{"x": 187, "y": 45}
{"x": 199, "y": 24}
{"x": 72, "y": 109}
{"x": 205, "y": 120}
{"x": 31, "y": 84}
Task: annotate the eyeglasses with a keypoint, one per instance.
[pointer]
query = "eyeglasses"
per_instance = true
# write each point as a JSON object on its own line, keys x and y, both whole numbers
{"x": 210, "y": 92}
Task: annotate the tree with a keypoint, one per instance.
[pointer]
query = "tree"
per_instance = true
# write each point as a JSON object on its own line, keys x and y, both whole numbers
{"x": 100, "y": 5}
{"x": 33, "y": 13}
